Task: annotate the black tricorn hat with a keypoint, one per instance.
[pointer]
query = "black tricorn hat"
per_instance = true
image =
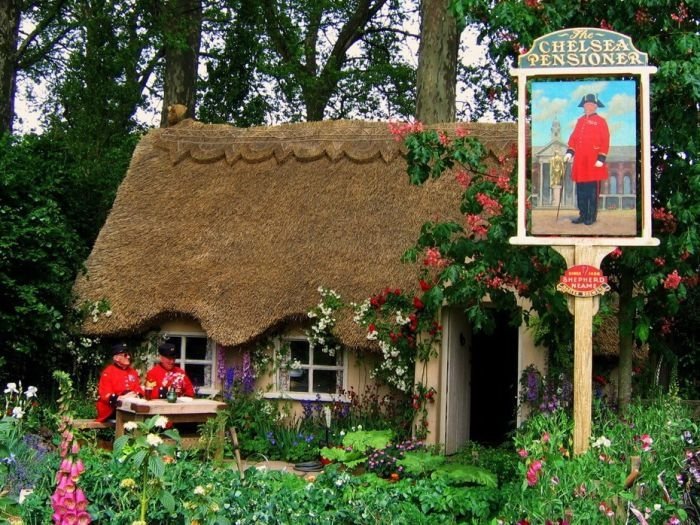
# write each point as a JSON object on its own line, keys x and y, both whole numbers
{"x": 167, "y": 350}
{"x": 120, "y": 348}
{"x": 591, "y": 98}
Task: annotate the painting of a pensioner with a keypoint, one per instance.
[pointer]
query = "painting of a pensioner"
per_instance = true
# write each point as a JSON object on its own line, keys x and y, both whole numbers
{"x": 583, "y": 166}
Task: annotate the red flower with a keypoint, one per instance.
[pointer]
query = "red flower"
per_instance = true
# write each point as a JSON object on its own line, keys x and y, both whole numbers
{"x": 672, "y": 280}
{"x": 616, "y": 253}
{"x": 600, "y": 380}
{"x": 418, "y": 304}
{"x": 424, "y": 285}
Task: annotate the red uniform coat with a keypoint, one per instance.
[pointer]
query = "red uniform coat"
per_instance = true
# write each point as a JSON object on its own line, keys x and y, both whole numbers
{"x": 115, "y": 380}
{"x": 589, "y": 139}
{"x": 177, "y": 378}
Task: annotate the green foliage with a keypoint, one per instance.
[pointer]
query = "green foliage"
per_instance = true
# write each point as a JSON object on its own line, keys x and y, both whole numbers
{"x": 459, "y": 474}
{"x": 362, "y": 440}
{"x": 286, "y": 49}
{"x": 552, "y": 484}
{"x": 421, "y": 462}
{"x": 579, "y": 489}
{"x": 357, "y": 446}
{"x": 41, "y": 251}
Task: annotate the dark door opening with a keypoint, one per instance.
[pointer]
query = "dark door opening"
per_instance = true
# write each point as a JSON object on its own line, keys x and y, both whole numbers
{"x": 494, "y": 386}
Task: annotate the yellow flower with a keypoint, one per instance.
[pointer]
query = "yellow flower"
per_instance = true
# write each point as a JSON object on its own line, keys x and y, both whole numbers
{"x": 127, "y": 483}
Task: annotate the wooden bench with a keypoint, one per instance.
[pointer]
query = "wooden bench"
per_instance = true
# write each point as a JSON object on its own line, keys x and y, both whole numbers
{"x": 91, "y": 424}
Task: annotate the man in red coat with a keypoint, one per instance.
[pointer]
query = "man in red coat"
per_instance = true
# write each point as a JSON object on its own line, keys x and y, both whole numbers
{"x": 118, "y": 379}
{"x": 165, "y": 375}
{"x": 588, "y": 147}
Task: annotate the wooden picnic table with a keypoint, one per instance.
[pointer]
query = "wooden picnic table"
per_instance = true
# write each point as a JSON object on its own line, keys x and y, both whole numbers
{"x": 184, "y": 410}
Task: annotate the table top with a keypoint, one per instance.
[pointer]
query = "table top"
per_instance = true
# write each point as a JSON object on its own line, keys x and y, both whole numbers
{"x": 183, "y": 405}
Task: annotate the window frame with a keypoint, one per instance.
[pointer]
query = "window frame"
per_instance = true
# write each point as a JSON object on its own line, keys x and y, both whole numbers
{"x": 309, "y": 395}
{"x": 182, "y": 360}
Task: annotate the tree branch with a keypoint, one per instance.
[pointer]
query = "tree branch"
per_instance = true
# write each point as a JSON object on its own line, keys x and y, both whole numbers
{"x": 48, "y": 19}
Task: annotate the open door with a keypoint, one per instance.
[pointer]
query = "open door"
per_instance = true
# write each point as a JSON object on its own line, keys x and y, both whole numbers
{"x": 479, "y": 382}
{"x": 456, "y": 371}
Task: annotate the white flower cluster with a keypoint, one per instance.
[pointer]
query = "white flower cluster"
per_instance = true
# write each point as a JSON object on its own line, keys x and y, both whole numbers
{"x": 602, "y": 441}
{"x": 15, "y": 404}
{"x": 83, "y": 352}
{"x": 400, "y": 319}
{"x": 97, "y": 308}
{"x": 360, "y": 311}
{"x": 320, "y": 335}
{"x": 399, "y": 376}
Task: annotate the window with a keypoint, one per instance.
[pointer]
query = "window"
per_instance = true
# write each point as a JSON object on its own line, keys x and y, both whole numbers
{"x": 196, "y": 358}
{"x": 310, "y": 371}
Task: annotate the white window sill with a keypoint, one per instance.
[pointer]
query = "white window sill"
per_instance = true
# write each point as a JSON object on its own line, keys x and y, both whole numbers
{"x": 306, "y": 396}
{"x": 207, "y": 392}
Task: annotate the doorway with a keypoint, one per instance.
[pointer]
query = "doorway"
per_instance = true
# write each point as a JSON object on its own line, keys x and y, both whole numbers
{"x": 494, "y": 383}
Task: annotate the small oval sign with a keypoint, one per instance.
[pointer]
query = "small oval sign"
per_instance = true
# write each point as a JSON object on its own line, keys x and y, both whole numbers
{"x": 583, "y": 280}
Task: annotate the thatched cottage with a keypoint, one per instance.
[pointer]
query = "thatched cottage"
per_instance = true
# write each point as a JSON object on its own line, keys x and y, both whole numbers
{"x": 220, "y": 237}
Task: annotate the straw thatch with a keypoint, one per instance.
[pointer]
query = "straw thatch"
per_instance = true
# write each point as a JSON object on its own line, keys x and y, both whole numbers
{"x": 237, "y": 228}
{"x": 606, "y": 341}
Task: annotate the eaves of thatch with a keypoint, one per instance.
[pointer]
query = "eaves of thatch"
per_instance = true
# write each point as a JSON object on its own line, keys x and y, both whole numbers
{"x": 237, "y": 228}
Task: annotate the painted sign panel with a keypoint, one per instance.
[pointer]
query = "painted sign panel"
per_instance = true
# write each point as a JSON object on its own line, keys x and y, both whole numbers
{"x": 584, "y": 162}
{"x": 583, "y": 281}
{"x": 582, "y": 47}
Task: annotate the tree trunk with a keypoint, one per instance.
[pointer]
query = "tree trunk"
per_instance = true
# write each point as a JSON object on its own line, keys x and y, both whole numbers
{"x": 9, "y": 28}
{"x": 625, "y": 316}
{"x": 436, "y": 80}
{"x": 182, "y": 34}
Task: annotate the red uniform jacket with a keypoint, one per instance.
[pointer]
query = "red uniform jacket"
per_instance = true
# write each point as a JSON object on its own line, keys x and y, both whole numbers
{"x": 115, "y": 380}
{"x": 589, "y": 139}
{"x": 177, "y": 378}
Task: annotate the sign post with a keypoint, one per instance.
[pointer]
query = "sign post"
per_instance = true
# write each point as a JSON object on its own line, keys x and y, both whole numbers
{"x": 605, "y": 197}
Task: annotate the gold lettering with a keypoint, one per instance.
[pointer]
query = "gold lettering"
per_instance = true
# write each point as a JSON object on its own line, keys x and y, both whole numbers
{"x": 608, "y": 59}
{"x": 534, "y": 59}
{"x": 573, "y": 59}
{"x": 634, "y": 59}
{"x": 621, "y": 58}
{"x": 594, "y": 59}
{"x": 622, "y": 46}
{"x": 558, "y": 47}
{"x": 581, "y": 33}
{"x": 596, "y": 46}
{"x": 609, "y": 46}
{"x": 558, "y": 60}
{"x": 545, "y": 60}
{"x": 544, "y": 47}
{"x": 572, "y": 46}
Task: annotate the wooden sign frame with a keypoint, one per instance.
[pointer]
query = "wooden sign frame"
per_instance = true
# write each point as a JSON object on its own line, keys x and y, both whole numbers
{"x": 578, "y": 54}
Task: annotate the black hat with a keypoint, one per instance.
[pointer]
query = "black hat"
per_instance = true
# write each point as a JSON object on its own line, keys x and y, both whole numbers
{"x": 591, "y": 98}
{"x": 120, "y": 348}
{"x": 167, "y": 350}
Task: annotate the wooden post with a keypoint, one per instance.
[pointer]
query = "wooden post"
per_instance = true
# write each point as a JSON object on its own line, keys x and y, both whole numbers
{"x": 583, "y": 372}
{"x": 583, "y": 309}
{"x": 236, "y": 451}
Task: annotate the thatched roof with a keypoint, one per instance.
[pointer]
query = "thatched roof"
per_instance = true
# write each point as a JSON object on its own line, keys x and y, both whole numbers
{"x": 237, "y": 228}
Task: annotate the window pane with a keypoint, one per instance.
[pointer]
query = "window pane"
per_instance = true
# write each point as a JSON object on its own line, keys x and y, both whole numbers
{"x": 299, "y": 351}
{"x": 177, "y": 341}
{"x": 322, "y": 358}
{"x": 200, "y": 375}
{"x": 196, "y": 348}
{"x": 299, "y": 380}
{"x": 325, "y": 381}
